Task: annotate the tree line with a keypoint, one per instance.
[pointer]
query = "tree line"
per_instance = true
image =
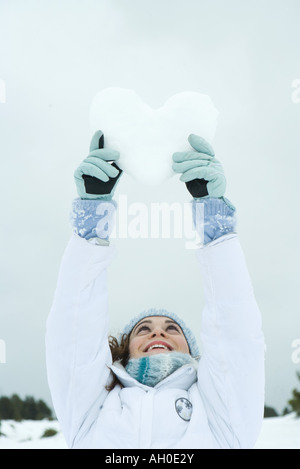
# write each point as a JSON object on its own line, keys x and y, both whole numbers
{"x": 15, "y": 408}
{"x": 293, "y": 405}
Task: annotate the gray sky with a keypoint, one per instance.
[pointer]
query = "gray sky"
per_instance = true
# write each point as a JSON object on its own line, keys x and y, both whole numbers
{"x": 54, "y": 57}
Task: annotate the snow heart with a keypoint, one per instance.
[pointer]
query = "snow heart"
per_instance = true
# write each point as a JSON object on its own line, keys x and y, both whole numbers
{"x": 147, "y": 138}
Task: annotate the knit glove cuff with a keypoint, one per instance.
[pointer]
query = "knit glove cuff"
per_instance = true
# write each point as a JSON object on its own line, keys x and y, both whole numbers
{"x": 93, "y": 219}
{"x": 213, "y": 218}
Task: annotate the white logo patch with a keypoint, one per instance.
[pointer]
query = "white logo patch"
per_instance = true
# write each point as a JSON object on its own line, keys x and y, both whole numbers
{"x": 184, "y": 408}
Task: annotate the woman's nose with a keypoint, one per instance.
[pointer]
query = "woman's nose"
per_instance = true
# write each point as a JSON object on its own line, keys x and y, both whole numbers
{"x": 158, "y": 331}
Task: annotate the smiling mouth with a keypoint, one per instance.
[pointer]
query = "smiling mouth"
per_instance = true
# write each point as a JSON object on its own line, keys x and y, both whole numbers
{"x": 159, "y": 346}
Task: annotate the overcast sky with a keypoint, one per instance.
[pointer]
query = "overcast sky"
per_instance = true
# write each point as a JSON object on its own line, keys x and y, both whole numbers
{"x": 54, "y": 58}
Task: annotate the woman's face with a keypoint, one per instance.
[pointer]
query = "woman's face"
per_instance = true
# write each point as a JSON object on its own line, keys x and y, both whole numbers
{"x": 156, "y": 334}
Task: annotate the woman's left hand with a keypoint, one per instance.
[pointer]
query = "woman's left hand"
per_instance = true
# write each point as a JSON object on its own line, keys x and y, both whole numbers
{"x": 201, "y": 172}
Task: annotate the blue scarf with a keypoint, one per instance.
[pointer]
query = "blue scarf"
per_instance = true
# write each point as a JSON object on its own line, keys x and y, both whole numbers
{"x": 152, "y": 369}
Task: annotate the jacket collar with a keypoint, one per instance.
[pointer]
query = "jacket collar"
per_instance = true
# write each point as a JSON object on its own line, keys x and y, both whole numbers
{"x": 182, "y": 378}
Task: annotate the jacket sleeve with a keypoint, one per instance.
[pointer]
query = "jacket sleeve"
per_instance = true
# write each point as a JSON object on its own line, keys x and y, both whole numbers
{"x": 77, "y": 349}
{"x": 231, "y": 369}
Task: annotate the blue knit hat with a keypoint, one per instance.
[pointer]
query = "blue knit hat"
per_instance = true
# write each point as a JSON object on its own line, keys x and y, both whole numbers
{"x": 194, "y": 351}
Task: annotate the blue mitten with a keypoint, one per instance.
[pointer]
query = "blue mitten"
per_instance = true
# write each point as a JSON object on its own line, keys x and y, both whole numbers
{"x": 213, "y": 218}
{"x": 93, "y": 219}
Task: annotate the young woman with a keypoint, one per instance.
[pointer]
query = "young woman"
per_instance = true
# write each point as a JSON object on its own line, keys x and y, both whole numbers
{"x": 150, "y": 388}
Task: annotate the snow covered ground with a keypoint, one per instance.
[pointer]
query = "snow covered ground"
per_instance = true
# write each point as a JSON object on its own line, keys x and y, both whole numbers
{"x": 280, "y": 433}
{"x": 277, "y": 433}
{"x": 28, "y": 435}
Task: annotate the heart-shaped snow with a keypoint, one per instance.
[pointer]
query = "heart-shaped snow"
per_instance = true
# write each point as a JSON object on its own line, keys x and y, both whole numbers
{"x": 147, "y": 138}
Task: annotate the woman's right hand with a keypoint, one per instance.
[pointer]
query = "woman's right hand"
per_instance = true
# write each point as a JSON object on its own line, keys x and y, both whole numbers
{"x": 98, "y": 174}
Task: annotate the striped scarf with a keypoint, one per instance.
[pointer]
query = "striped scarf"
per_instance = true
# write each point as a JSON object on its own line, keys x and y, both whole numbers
{"x": 152, "y": 369}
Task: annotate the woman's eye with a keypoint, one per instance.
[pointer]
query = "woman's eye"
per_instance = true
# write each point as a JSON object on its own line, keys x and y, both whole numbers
{"x": 173, "y": 327}
{"x": 143, "y": 328}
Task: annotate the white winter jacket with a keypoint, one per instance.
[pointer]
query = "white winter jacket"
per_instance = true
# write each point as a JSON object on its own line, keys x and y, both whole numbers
{"x": 226, "y": 392}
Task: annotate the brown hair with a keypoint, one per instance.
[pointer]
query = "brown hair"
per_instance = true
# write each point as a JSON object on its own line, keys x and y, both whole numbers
{"x": 120, "y": 352}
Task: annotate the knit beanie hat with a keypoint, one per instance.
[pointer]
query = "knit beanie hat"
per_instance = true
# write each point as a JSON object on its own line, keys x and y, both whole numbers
{"x": 194, "y": 351}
